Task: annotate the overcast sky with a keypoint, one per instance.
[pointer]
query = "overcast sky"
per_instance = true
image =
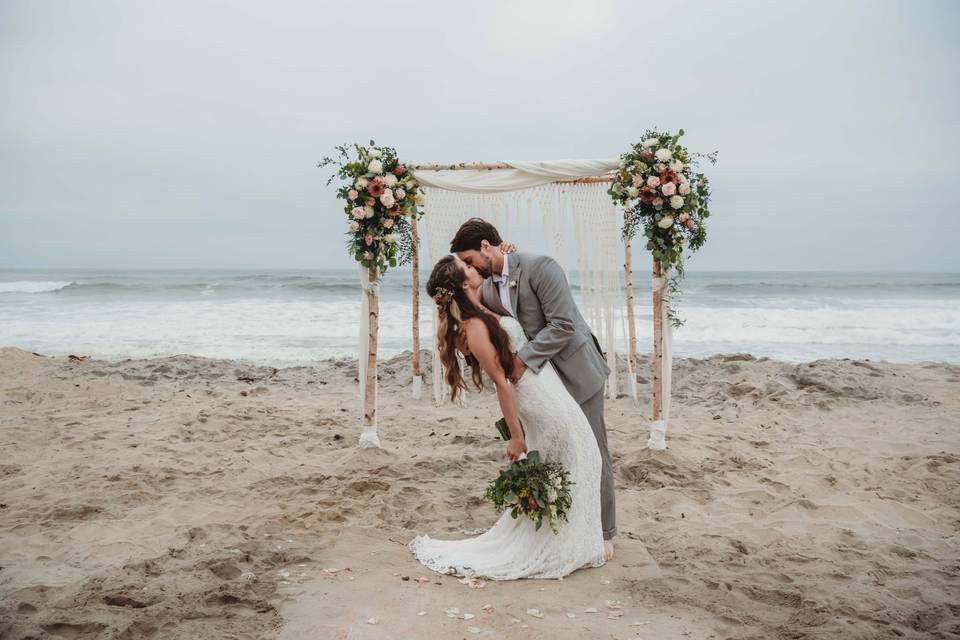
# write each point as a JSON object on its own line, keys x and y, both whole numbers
{"x": 186, "y": 133}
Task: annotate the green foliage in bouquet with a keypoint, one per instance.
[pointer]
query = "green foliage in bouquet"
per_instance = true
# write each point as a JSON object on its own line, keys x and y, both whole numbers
{"x": 380, "y": 197}
{"x": 533, "y": 488}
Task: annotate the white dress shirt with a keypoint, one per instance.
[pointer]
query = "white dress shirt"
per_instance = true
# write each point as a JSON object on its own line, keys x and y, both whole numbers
{"x": 502, "y": 280}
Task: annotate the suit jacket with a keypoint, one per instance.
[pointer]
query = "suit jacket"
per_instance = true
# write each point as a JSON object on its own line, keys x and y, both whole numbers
{"x": 555, "y": 330}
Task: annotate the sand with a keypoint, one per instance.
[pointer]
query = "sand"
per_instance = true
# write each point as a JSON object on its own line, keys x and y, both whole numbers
{"x": 190, "y": 498}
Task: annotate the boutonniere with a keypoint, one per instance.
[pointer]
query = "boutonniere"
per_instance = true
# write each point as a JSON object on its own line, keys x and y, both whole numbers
{"x": 513, "y": 284}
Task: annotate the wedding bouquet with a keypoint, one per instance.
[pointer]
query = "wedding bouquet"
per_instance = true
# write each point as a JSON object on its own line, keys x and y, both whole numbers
{"x": 533, "y": 488}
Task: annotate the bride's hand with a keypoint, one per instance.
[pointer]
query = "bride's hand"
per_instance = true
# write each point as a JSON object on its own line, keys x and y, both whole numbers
{"x": 515, "y": 447}
{"x": 508, "y": 247}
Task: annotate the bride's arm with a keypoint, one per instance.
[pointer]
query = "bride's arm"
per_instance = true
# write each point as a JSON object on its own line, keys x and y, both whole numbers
{"x": 478, "y": 340}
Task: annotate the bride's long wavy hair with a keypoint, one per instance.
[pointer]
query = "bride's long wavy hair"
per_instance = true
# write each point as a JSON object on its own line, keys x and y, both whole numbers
{"x": 445, "y": 286}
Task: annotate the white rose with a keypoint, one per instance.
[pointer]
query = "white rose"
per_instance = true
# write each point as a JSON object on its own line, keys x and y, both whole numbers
{"x": 354, "y": 226}
{"x": 676, "y": 166}
{"x": 375, "y": 153}
{"x": 387, "y": 199}
{"x": 419, "y": 199}
{"x": 684, "y": 179}
{"x": 684, "y": 188}
{"x": 665, "y": 222}
{"x": 399, "y": 194}
{"x": 375, "y": 166}
{"x": 551, "y": 495}
{"x": 368, "y": 212}
{"x": 676, "y": 202}
{"x": 361, "y": 183}
{"x": 390, "y": 180}
{"x": 663, "y": 155}
{"x": 390, "y": 238}
{"x": 668, "y": 189}
{"x": 633, "y": 192}
{"x": 650, "y": 142}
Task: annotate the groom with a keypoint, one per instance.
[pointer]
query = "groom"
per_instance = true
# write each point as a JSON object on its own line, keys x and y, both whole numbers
{"x": 534, "y": 290}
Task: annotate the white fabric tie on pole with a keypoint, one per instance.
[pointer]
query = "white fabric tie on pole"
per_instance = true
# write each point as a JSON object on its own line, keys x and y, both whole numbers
{"x": 369, "y": 437}
{"x": 524, "y": 175}
{"x": 658, "y": 430}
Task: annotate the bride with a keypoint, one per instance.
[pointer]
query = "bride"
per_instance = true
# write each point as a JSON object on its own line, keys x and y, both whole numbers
{"x": 552, "y": 423}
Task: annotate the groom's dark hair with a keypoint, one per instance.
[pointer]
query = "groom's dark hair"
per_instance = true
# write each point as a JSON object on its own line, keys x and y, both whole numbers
{"x": 471, "y": 233}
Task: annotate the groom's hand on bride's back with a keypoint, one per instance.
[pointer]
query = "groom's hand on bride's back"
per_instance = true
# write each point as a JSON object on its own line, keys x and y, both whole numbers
{"x": 508, "y": 247}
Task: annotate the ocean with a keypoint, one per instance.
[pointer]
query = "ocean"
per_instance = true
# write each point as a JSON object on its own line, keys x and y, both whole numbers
{"x": 294, "y": 317}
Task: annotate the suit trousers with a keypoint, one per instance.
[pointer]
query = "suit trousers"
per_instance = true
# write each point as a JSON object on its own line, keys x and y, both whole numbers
{"x": 593, "y": 409}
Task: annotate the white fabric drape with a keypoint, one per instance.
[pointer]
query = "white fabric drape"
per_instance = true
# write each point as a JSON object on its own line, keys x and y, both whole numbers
{"x": 658, "y": 429}
{"x": 524, "y": 175}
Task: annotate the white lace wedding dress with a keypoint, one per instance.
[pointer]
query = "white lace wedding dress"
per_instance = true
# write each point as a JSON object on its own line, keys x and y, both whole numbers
{"x": 555, "y": 426}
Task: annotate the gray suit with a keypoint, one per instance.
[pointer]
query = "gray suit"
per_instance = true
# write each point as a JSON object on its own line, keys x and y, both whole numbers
{"x": 544, "y": 306}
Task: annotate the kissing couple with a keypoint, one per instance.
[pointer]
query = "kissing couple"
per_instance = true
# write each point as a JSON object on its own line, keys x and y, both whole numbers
{"x": 512, "y": 316}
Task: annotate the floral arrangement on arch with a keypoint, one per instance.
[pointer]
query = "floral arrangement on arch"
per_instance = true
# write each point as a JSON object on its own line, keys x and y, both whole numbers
{"x": 661, "y": 193}
{"x": 380, "y": 198}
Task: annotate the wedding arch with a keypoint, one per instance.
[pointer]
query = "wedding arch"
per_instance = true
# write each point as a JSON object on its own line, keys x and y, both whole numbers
{"x": 588, "y": 206}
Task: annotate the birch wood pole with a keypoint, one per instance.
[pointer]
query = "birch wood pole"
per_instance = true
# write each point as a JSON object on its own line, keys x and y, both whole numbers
{"x": 416, "y": 296}
{"x": 631, "y": 317}
{"x": 370, "y": 384}
{"x": 657, "y": 341}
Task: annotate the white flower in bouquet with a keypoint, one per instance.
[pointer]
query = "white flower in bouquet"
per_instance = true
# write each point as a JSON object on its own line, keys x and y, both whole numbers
{"x": 361, "y": 183}
{"x": 551, "y": 495}
{"x": 354, "y": 226}
{"x": 650, "y": 142}
{"x": 644, "y": 167}
{"x": 376, "y": 153}
{"x": 399, "y": 194}
{"x": 665, "y": 222}
{"x": 676, "y": 166}
{"x": 419, "y": 199}
{"x": 660, "y": 167}
{"x": 676, "y": 202}
{"x": 663, "y": 155}
{"x": 684, "y": 188}
{"x": 683, "y": 179}
{"x": 368, "y": 212}
{"x": 633, "y": 192}
{"x": 668, "y": 189}
{"x": 358, "y": 213}
{"x": 390, "y": 180}
{"x": 387, "y": 199}
{"x": 375, "y": 166}
{"x": 390, "y": 238}
{"x": 653, "y": 181}
{"x": 637, "y": 180}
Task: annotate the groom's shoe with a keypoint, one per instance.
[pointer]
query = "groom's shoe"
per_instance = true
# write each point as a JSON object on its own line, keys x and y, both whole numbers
{"x": 608, "y": 550}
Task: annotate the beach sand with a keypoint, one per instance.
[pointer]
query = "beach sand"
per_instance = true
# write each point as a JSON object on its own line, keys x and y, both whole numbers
{"x": 191, "y": 498}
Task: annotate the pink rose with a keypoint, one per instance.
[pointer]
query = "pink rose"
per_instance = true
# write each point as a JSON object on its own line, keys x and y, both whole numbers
{"x": 646, "y": 155}
{"x": 354, "y": 226}
{"x": 690, "y": 224}
{"x": 387, "y": 199}
{"x": 400, "y": 170}
{"x": 669, "y": 189}
{"x": 388, "y": 223}
{"x": 358, "y": 213}
{"x": 352, "y": 194}
{"x": 684, "y": 189}
{"x": 653, "y": 181}
{"x": 368, "y": 239}
{"x": 683, "y": 217}
{"x": 399, "y": 194}
{"x": 658, "y": 202}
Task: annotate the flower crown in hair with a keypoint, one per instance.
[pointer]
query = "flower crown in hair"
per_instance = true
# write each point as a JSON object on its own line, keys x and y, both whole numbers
{"x": 442, "y": 294}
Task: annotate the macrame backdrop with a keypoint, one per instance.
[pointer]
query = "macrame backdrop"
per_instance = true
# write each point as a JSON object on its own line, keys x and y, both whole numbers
{"x": 551, "y": 211}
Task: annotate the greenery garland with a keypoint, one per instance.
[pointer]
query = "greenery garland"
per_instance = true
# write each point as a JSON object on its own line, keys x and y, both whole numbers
{"x": 380, "y": 198}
